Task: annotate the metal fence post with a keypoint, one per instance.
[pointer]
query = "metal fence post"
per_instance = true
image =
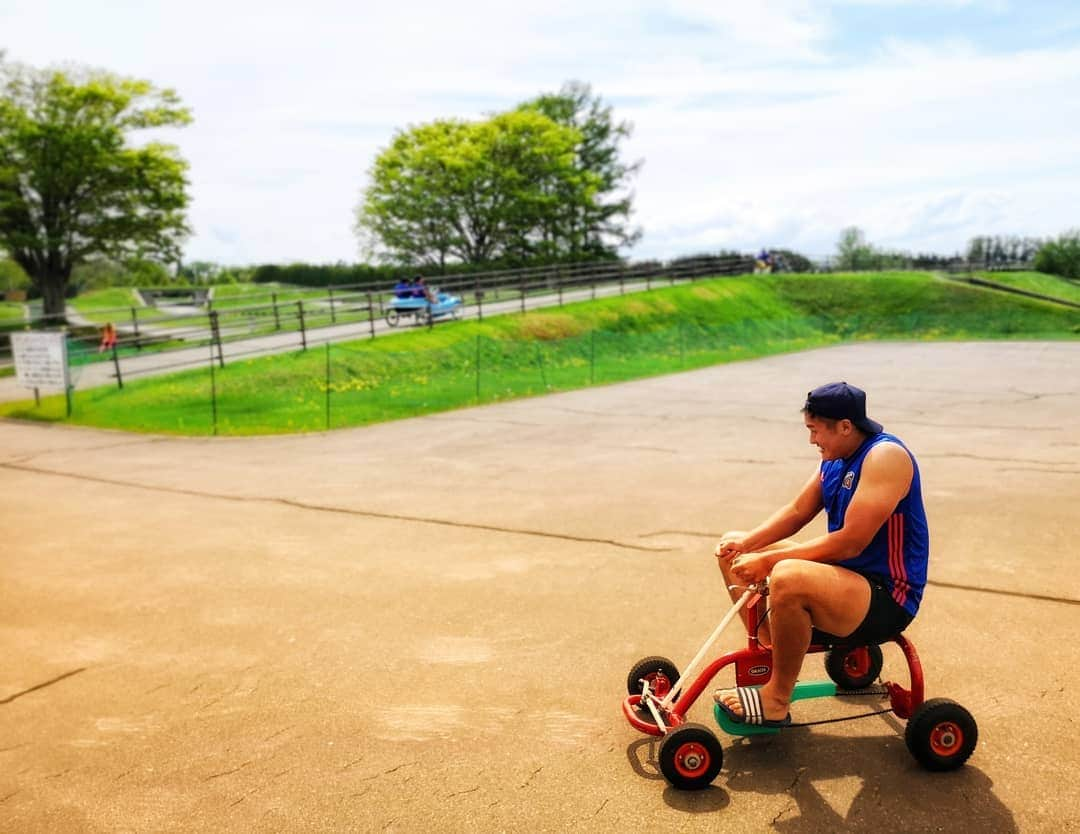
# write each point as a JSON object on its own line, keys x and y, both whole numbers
{"x": 303, "y": 330}
{"x": 540, "y": 364}
{"x": 215, "y": 337}
{"x": 330, "y": 292}
{"x": 371, "y": 314}
{"x": 592, "y": 357}
{"x": 116, "y": 365}
{"x": 213, "y": 390}
{"x": 135, "y": 325}
{"x": 277, "y": 317}
{"x": 523, "y": 295}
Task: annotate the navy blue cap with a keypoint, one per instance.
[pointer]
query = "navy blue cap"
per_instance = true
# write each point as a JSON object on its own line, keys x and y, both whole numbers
{"x": 840, "y": 401}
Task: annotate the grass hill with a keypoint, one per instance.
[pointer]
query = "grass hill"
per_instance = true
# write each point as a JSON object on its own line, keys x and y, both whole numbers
{"x": 608, "y": 340}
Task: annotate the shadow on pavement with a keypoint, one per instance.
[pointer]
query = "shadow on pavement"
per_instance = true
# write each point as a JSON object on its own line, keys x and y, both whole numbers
{"x": 835, "y": 783}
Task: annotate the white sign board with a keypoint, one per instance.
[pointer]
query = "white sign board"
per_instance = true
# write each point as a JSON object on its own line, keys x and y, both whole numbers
{"x": 40, "y": 359}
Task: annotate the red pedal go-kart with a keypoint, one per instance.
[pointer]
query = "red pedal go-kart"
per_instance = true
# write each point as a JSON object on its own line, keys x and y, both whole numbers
{"x": 940, "y": 733}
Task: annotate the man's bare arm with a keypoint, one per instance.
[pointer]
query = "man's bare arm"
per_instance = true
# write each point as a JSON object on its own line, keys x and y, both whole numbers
{"x": 885, "y": 479}
{"x": 785, "y": 522}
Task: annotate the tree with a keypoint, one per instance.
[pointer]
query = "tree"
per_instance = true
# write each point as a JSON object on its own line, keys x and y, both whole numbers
{"x": 12, "y": 276}
{"x": 599, "y": 226}
{"x": 1061, "y": 256}
{"x": 474, "y": 191}
{"x": 71, "y": 187}
{"x": 853, "y": 252}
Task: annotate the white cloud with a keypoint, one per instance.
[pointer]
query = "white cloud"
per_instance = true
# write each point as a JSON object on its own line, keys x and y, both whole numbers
{"x": 756, "y": 126}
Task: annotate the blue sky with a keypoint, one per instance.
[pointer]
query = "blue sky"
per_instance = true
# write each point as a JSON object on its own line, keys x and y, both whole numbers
{"x": 773, "y": 123}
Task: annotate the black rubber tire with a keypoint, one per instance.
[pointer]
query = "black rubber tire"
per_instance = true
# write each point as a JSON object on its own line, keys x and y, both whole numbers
{"x": 941, "y": 735}
{"x": 392, "y": 317}
{"x": 840, "y": 666}
{"x": 691, "y": 757}
{"x": 649, "y": 668}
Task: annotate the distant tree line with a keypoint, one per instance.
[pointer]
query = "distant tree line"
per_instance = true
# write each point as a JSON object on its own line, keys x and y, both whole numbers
{"x": 1003, "y": 250}
{"x": 854, "y": 252}
{"x": 1061, "y": 256}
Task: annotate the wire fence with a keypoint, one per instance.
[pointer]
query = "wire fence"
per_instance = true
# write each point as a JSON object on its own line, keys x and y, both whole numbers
{"x": 336, "y": 386}
{"x": 149, "y": 340}
{"x": 180, "y": 323}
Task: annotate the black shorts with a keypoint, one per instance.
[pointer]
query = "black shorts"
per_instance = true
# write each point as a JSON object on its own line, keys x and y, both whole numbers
{"x": 885, "y": 619}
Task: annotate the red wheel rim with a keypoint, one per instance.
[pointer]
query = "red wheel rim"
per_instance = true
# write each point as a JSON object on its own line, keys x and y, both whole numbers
{"x": 692, "y": 759}
{"x": 659, "y": 685}
{"x": 857, "y": 663}
{"x": 946, "y": 739}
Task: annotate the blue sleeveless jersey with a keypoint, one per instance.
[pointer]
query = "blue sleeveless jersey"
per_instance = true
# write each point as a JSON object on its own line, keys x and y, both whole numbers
{"x": 899, "y": 551}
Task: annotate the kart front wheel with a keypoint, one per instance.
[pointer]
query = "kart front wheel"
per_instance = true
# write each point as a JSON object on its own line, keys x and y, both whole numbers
{"x": 691, "y": 757}
{"x": 392, "y": 317}
{"x": 658, "y": 671}
{"x": 941, "y": 735}
{"x": 854, "y": 667}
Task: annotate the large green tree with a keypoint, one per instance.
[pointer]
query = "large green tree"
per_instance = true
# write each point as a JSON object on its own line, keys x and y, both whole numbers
{"x": 600, "y": 225}
{"x": 72, "y": 187}
{"x": 471, "y": 191}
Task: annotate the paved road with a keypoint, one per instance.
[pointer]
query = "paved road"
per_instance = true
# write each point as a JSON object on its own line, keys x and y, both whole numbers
{"x": 152, "y": 364}
{"x": 426, "y": 625}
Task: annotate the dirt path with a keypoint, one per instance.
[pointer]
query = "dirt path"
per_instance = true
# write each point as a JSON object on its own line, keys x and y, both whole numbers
{"x": 426, "y": 625}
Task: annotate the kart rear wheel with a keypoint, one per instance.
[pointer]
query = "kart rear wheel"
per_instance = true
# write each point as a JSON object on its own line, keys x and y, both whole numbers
{"x": 691, "y": 757}
{"x": 854, "y": 667}
{"x": 392, "y": 317}
{"x": 660, "y": 672}
{"x": 941, "y": 735}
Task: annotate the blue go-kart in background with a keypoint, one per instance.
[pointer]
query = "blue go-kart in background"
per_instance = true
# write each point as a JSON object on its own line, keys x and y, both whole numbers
{"x": 423, "y": 310}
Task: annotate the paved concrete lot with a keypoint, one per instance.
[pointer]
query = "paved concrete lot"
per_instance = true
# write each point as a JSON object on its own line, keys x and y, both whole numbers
{"x": 427, "y": 625}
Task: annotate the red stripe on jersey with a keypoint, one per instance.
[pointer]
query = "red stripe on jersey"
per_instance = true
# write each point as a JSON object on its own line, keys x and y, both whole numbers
{"x": 896, "y": 558}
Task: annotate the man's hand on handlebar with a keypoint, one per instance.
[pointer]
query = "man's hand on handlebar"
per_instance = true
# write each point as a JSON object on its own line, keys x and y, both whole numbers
{"x": 729, "y": 548}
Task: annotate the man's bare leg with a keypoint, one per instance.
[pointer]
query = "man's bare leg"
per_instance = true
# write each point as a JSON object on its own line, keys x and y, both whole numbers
{"x": 803, "y": 595}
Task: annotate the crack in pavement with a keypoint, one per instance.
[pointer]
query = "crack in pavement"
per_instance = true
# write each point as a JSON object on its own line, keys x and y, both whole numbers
{"x": 226, "y": 772}
{"x": 302, "y": 505}
{"x": 1020, "y": 594}
{"x": 1037, "y": 469}
{"x": 50, "y": 682}
{"x": 988, "y": 459}
{"x": 792, "y": 803}
{"x": 23, "y": 459}
{"x": 932, "y": 582}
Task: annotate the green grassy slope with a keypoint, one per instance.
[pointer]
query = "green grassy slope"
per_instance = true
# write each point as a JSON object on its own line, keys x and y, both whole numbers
{"x": 459, "y": 364}
{"x": 1037, "y": 282}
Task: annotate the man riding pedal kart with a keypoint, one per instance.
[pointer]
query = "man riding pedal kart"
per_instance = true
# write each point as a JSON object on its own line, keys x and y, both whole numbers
{"x": 860, "y": 583}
